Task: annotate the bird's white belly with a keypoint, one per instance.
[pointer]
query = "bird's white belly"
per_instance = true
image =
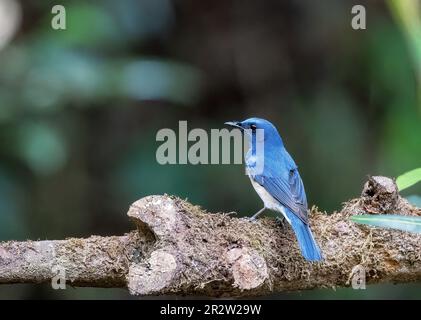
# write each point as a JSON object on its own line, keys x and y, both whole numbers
{"x": 269, "y": 201}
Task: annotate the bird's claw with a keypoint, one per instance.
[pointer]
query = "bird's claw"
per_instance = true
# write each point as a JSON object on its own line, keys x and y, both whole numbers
{"x": 251, "y": 219}
{"x": 280, "y": 221}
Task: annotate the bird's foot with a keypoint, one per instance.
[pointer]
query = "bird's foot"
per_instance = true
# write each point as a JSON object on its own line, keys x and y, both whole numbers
{"x": 280, "y": 221}
{"x": 251, "y": 219}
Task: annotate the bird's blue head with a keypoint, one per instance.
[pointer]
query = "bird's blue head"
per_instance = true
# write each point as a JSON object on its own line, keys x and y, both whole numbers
{"x": 267, "y": 130}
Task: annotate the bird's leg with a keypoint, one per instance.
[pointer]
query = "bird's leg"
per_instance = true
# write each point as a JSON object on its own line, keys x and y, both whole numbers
{"x": 254, "y": 217}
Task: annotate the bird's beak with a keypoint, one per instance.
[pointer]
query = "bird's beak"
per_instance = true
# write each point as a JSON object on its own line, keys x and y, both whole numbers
{"x": 235, "y": 124}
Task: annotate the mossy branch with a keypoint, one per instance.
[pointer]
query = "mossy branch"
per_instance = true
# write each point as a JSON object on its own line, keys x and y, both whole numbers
{"x": 179, "y": 248}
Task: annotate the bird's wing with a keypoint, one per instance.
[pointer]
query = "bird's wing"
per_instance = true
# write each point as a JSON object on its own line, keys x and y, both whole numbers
{"x": 288, "y": 191}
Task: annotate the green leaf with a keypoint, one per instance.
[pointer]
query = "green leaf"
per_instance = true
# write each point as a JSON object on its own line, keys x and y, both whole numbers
{"x": 404, "y": 223}
{"x": 408, "y": 179}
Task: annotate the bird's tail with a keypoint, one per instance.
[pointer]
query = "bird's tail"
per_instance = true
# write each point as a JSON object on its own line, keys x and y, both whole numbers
{"x": 309, "y": 248}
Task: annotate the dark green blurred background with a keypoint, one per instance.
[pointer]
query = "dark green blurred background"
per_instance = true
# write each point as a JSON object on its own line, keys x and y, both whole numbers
{"x": 80, "y": 108}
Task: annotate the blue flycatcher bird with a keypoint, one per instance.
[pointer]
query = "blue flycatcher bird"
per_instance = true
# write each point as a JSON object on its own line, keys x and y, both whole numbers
{"x": 274, "y": 175}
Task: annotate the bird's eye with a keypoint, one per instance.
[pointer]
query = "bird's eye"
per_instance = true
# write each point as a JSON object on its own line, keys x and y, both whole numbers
{"x": 253, "y": 127}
